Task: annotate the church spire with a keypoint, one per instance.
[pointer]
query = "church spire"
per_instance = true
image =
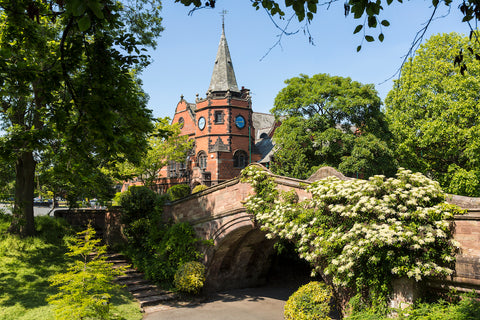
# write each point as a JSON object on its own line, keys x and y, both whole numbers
{"x": 223, "y": 76}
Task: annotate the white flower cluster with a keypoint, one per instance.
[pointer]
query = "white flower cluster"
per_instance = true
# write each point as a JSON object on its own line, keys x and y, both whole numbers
{"x": 355, "y": 225}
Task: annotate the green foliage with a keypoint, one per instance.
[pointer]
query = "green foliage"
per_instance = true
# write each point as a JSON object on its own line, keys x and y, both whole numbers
{"x": 178, "y": 191}
{"x": 330, "y": 121}
{"x": 433, "y": 114}
{"x": 116, "y": 201}
{"x": 309, "y": 302}
{"x": 369, "y": 156}
{"x": 199, "y": 188}
{"x": 27, "y": 263}
{"x": 155, "y": 247}
{"x": 85, "y": 288}
{"x": 361, "y": 234}
{"x": 190, "y": 277}
{"x": 165, "y": 147}
{"x": 461, "y": 181}
{"x": 164, "y": 249}
{"x": 139, "y": 202}
{"x": 59, "y": 63}
{"x": 467, "y": 308}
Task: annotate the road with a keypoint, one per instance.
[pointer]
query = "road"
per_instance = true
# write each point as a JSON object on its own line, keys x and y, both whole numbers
{"x": 37, "y": 211}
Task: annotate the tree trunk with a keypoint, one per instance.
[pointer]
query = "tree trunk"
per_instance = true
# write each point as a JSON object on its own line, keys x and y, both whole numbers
{"x": 23, "y": 219}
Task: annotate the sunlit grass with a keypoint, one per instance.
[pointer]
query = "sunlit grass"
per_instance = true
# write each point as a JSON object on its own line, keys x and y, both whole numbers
{"x": 25, "y": 266}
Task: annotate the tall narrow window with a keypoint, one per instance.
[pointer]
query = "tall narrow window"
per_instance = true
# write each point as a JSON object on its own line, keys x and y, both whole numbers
{"x": 202, "y": 160}
{"x": 172, "y": 169}
{"x": 240, "y": 159}
{"x": 218, "y": 117}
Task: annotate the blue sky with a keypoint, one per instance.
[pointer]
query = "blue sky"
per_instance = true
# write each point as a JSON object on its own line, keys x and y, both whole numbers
{"x": 183, "y": 61}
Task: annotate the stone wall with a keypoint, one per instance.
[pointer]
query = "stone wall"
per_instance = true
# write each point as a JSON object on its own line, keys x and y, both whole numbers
{"x": 105, "y": 222}
{"x": 467, "y": 266}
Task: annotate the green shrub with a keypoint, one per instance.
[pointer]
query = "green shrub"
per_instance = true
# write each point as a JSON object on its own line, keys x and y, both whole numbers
{"x": 84, "y": 288}
{"x": 190, "y": 277}
{"x": 309, "y": 302}
{"x": 139, "y": 202}
{"x": 164, "y": 248}
{"x": 466, "y": 308}
{"x": 199, "y": 188}
{"x": 178, "y": 191}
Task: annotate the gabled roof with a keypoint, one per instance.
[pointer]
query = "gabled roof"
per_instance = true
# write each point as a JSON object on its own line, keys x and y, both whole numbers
{"x": 223, "y": 76}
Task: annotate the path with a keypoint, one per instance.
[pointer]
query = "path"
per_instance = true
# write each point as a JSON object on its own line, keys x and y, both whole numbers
{"x": 264, "y": 303}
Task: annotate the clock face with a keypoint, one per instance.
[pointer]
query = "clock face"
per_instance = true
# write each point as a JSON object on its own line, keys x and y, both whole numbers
{"x": 201, "y": 123}
{"x": 240, "y": 122}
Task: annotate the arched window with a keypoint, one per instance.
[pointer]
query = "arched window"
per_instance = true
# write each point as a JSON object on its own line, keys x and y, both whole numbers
{"x": 240, "y": 159}
{"x": 202, "y": 160}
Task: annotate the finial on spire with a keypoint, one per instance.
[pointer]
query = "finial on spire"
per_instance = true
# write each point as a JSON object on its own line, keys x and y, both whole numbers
{"x": 223, "y": 13}
{"x": 223, "y": 76}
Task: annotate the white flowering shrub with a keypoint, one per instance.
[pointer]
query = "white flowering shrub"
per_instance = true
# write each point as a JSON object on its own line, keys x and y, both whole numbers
{"x": 362, "y": 233}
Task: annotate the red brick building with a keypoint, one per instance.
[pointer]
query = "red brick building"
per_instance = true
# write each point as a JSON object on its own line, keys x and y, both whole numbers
{"x": 227, "y": 134}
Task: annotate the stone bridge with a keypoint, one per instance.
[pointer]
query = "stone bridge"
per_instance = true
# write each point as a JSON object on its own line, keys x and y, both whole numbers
{"x": 241, "y": 255}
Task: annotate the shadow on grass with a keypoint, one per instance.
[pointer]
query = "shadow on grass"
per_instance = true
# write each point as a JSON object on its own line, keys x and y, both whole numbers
{"x": 27, "y": 265}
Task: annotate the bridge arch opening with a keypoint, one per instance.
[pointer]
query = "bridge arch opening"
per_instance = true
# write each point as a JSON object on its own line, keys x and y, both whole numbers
{"x": 242, "y": 258}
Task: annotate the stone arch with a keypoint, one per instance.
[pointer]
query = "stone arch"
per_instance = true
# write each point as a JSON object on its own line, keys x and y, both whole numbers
{"x": 241, "y": 256}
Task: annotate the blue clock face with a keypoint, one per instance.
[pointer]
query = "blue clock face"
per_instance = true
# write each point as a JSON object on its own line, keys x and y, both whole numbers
{"x": 240, "y": 122}
{"x": 201, "y": 123}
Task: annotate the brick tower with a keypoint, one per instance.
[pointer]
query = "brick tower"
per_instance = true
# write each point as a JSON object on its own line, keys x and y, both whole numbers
{"x": 228, "y": 135}
{"x": 221, "y": 124}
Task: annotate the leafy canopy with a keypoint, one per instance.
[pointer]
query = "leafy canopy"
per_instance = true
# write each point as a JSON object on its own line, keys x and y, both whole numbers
{"x": 330, "y": 120}
{"x": 69, "y": 93}
{"x": 433, "y": 113}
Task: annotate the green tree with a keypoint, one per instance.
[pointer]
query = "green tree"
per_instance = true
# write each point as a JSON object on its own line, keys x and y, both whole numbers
{"x": 433, "y": 113}
{"x": 66, "y": 82}
{"x": 165, "y": 146}
{"x": 84, "y": 289}
{"x": 323, "y": 119}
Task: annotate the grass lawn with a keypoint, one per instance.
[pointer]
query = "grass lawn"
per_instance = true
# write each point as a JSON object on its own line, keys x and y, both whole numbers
{"x": 25, "y": 266}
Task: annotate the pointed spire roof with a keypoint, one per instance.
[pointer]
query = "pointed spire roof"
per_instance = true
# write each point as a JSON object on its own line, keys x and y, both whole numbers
{"x": 223, "y": 76}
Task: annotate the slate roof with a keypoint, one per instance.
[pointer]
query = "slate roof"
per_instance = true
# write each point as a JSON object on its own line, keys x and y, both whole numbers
{"x": 264, "y": 125}
{"x": 223, "y": 76}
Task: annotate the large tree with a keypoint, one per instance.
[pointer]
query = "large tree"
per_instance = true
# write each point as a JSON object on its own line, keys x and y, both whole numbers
{"x": 330, "y": 120}
{"x": 434, "y": 114}
{"x": 65, "y": 71}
